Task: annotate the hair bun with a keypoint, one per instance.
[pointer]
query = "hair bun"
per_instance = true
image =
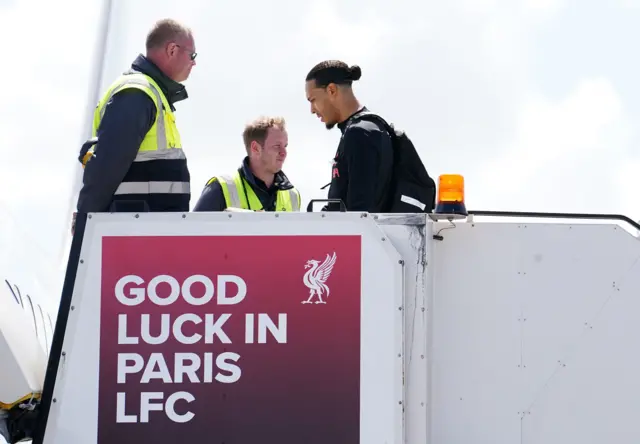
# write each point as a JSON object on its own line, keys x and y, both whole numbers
{"x": 355, "y": 72}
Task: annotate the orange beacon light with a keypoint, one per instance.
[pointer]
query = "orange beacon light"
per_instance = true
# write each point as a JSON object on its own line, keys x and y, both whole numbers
{"x": 451, "y": 195}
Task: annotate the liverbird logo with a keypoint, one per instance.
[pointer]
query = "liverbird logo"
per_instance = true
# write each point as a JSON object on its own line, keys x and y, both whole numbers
{"x": 316, "y": 276}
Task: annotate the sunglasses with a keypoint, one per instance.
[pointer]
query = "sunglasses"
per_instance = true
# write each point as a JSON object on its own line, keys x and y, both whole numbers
{"x": 192, "y": 55}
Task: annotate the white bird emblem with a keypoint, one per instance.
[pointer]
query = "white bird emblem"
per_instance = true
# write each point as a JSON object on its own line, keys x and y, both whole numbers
{"x": 316, "y": 276}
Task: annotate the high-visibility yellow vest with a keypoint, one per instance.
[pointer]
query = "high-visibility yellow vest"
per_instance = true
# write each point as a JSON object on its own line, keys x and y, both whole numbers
{"x": 237, "y": 190}
{"x": 162, "y": 141}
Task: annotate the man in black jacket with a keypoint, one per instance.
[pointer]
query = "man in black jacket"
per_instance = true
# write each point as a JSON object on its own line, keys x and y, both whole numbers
{"x": 139, "y": 156}
{"x": 363, "y": 164}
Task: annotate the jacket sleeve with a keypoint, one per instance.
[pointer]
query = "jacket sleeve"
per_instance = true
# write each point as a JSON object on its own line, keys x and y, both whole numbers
{"x": 127, "y": 118}
{"x": 212, "y": 198}
{"x": 362, "y": 151}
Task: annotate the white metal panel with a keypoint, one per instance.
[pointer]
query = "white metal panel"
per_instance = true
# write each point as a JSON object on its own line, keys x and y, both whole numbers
{"x": 475, "y": 346}
{"x": 73, "y": 417}
{"x": 528, "y": 330}
{"x": 408, "y": 235}
{"x": 534, "y": 334}
{"x": 22, "y": 360}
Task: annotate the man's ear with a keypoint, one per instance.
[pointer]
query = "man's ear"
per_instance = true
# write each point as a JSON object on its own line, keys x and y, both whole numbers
{"x": 171, "y": 49}
{"x": 255, "y": 147}
{"x": 332, "y": 89}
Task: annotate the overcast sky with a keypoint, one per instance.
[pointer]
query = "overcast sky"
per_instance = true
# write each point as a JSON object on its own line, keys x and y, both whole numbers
{"x": 534, "y": 102}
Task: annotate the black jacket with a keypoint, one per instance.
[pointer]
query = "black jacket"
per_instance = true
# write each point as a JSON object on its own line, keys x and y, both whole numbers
{"x": 362, "y": 167}
{"x": 212, "y": 197}
{"x": 128, "y": 116}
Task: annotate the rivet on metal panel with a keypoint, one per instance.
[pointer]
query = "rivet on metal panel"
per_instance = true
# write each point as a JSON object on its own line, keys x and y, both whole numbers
{"x": 136, "y": 216}
{"x": 64, "y": 353}
{"x": 400, "y": 308}
{"x": 277, "y": 215}
{"x": 384, "y": 239}
{"x": 73, "y": 307}
{"x": 82, "y": 261}
{"x": 363, "y": 215}
{"x": 422, "y": 404}
{"x": 184, "y": 216}
{"x": 401, "y": 262}
{"x": 54, "y": 400}
{"x": 230, "y": 215}
{"x": 89, "y": 216}
{"x": 399, "y": 355}
{"x": 400, "y": 402}
{"x": 421, "y": 356}
{"x": 375, "y": 217}
{"x": 323, "y": 215}
{"x": 422, "y": 309}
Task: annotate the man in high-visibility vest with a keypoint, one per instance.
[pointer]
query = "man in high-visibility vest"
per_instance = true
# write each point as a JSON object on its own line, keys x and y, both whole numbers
{"x": 259, "y": 184}
{"x": 138, "y": 162}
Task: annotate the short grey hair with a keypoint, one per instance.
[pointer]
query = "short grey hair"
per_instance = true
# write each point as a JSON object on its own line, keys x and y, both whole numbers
{"x": 164, "y": 31}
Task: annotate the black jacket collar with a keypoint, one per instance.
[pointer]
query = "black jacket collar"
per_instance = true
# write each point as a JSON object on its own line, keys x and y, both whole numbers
{"x": 173, "y": 91}
{"x": 343, "y": 125}
{"x": 280, "y": 182}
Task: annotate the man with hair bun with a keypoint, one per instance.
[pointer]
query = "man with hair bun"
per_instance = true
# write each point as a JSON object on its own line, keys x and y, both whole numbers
{"x": 138, "y": 163}
{"x": 363, "y": 164}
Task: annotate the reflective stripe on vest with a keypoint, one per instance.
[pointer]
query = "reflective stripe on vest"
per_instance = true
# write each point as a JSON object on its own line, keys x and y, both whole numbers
{"x": 166, "y": 146}
{"x": 236, "y": 202}
{"x": 163, "y": 151}
{"x": 153, "y": 188}
{"x": 293, "y": 198}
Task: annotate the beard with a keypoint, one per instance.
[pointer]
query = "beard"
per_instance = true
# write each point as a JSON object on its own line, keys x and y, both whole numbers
{"x": 329, "y": 126}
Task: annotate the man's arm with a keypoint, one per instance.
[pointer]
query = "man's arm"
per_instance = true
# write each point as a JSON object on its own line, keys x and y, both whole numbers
{"x": 212, "y": 198}
{"x": 127, "y": 118}
{"x": 364, "y": 142}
